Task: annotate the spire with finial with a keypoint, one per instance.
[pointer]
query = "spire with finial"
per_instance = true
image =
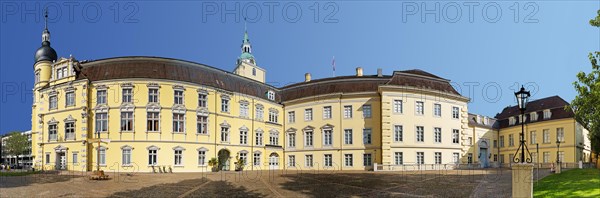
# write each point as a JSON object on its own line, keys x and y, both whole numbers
{"x": 46, "y": 32}
{"x": 246, "y": 47}
{"x": 45, "y": 52}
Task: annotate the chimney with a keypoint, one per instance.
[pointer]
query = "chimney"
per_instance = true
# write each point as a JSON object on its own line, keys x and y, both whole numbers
{"x": 359, "y": 71}
{"x": 307, "y": 77}
{"x": 379, "y": 72}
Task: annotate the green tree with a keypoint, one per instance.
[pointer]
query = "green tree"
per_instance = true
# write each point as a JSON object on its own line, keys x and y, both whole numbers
{"x": 16, "y": 144}
{"x": 586, "y": 104}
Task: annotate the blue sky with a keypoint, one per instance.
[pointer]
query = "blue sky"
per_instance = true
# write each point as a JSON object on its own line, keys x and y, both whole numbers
{"x": 479, "y": 45}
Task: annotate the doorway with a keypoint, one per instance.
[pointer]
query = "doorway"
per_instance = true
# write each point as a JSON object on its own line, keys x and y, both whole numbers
{"x": 224, "y": 156}
{"x": 273, "y": 161}
{"x": 61, "y": 161}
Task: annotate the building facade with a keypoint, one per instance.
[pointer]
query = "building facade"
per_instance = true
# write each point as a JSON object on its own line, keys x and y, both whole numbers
{"x": 547, "y": 121}
{"x": 24, "y": 160}
{"x": 136, "y": 114}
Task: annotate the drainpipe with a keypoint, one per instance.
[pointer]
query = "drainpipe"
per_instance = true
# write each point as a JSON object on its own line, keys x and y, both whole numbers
{"x": 342, "y": 140}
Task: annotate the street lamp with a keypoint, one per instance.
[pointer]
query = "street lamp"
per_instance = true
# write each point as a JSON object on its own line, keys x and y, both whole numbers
{"x": 522, "y": 100}
{"x": 557, "y": 151}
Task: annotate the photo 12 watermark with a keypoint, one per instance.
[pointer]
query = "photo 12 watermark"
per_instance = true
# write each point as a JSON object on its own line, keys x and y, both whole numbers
{"x": 270, "y": 11}
{"x": 469, "y": 11}
{"x": 71, "y": 11}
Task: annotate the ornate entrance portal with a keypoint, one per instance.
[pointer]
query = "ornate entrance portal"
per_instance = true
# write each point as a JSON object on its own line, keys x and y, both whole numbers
{"x": 224, "y": 156}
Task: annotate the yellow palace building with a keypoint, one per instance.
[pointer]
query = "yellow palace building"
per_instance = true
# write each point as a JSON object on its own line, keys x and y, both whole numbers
{"x": 155, "y": 112}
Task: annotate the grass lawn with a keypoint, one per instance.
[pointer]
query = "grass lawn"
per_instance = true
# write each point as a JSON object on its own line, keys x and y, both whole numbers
{"x": 16, "y": 173}
{"x": 571, "y": 183}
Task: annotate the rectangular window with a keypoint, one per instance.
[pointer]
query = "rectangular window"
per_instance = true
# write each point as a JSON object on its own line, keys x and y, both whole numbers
{"x": 308, "y": 114}
{"x": 546, "y": 134}
{"x": 53, "y": 102}
{"x": 397, "y": 106}
{"x": 153, "y": 95}
{"x": 534, "y": 157}
{"x": 102, "y": 156}
{"x": 178, "y": 156}
{"x": 202, "y": 100}
{"x": 437, "y": 110}
{"x": 244, "y": 158}
{"x": 455, "y": 136}
{"x": 101, "y": 97}
{"x": 438, "y": 157}
{"x": 256, "y": 159}
{"x": 178, "y": 122}
{"x": 437, "y": 132}
{"x": 308, "y": 138}
{"x": 511, "y": 140}
{"x": 259, "y": 113}
{"x": 178, "y": 97}
{"x": 201, "y": 158}
{"x": 367, "y": 159}
{"x": 224, "y": 105}
{"x": 127, "y": 95}
{"x": 367, "y": 136}
{"x": 75, "y": 156}
{"x": 532, "y": 137}
{"x": 560, "y": 134}
{"x": 274, "y": 138}
{"x": 470, "y": 141}
{"x": 243, "y": 137}
{"x": 546, "y": 157}
{"x": 244, "y": 110}
{"x": 398, "y": 136}
{"x": 347, "y": 136}
{"x": 308, "y": 160}
{"x": 52, "y": 132}
{"x": 328, "y": 160}
{"x": 348, "y": 160}
{"x": 259, "y": 138}
{"x": 420, "y": 158}
{"x": 47, "y": 158}
{"x": 398, "y": 158}
{"x": 224, "y": 134}
{"x": 327, "y": 112}
{"x": 70, "y": 99}
{"x": 420, "y": 108}
{"x": 501, "y": 158}
{"x": 101, "y": 122}
{"x": 70, "y": 130}
{"x": 495, "y": 143}
{"x": 292, "y": 160}
{"x": 455, "y": 112}
{"x": 496, "y": 158}
{"x": 37, "y": 77}
{"x": 273, "y": 116}
{"x": 366, "y": 111}
{"x": 152, "y": 156}
{"x": 547, "y": 114}
{"x": 561, "y": 156}
{"x": 348, "y": 111}
{"x": 420, "y": 134}
{"x": 202, "y": 124}
{"x": 271, "y": 95}
{"x": 291, "y": 117}
{"x": 327, "y": 137}
{"x": 152, "y": 122}
{"x": 501, "y": 141}
{"x": 126, "y": 121}
{"x": 291, "y": 140}
{"x": 126, "y": 157}
{"x": 455, "y": 158}
{"x": 470, "y": 158}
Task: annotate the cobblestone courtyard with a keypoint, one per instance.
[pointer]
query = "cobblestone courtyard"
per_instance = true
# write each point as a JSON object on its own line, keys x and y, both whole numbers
{"x": 451, "y": 183}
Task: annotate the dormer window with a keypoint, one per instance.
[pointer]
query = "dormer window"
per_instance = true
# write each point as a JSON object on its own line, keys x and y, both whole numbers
{"x": 271, "y": 95}
{"x": 533, "y": 116}
{"x": 61, "y": 72}
{"x": 511, "y": 121}
{"x": 547, "y": 114}
{"x": 486, "y": 120}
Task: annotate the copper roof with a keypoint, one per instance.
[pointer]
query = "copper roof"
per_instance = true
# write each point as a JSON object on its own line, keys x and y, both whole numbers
{"x": 555, "y": 104}
{"x": 172, "y": 69}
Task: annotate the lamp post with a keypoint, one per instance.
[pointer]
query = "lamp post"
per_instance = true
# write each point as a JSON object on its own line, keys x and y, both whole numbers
{"x": 557, "y": 151}
{"x": 522, "y": 100}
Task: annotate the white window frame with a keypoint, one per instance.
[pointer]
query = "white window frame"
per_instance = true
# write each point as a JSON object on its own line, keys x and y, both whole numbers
{"x": 202, "y": 124}
{"x": 179, "y": 122}
{"x": 348, "y": 160}
{"x": 419, "y": 107}
{"x": 291, "y": 116}
{"x": 398, "y": 158}
{"x": 437, "y": 110}
{"x": 455, "y": 112}
{"x": 398, "y": 108}
{"x": 398, "y": 133}
{"x": 367, "y": 136}
{"x": 348, "y": 139}
{"x": 348, "y": 111}
{"x": 437, "y": 135}
{"x": 327, "y": 114}
{"x": 70, "y": 98}
{"x": 127, "y": 95}
{"x": 178, "y": 99}
{"x": 367, "y": 111}
{"x": 153, "y": 95}
{"x": 127, "y": 118}
{"x": 420, "y": 133}
{"x": 420, "y": 157}
{"x": 308, "y": 114}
